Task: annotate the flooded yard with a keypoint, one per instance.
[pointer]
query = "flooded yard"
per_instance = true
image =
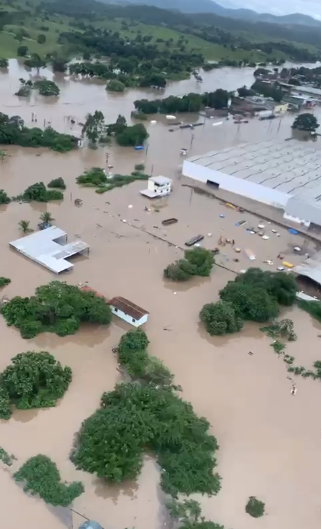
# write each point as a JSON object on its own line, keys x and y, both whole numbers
{"x": 269, "y": 440}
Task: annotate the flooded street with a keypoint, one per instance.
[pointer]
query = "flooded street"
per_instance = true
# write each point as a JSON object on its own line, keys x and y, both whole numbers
{"x": 269, "y": 440}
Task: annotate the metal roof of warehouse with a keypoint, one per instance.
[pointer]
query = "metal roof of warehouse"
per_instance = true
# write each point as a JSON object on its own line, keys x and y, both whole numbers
{"x": 287, "y": 166}
{"x": 311, "y": 268}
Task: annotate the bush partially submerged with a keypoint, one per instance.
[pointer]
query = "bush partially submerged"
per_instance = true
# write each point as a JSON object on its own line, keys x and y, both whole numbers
{"x": 39, "y": 193}
{"x": 34, "y": 380}
{"x": 133, "y": 356}
{"x": 56, "y": 307}
{"x": 147, "y": 415}
{"x": 280, "y": 286}
{"x": 57, "y": 183}
{"x": 197, "y": 262}
{"x": 4, "y": 199}
{"x": 96, "y": 177}
{"x": 255, "y": 507}
{"x": 312, "y": 307}
{"x": 220, "y": 318}
{"x": 41, "y": 476}
{"x": 4, "y": 281}
{"x": 135, "y": 418}
{"x": 250, "y": 302}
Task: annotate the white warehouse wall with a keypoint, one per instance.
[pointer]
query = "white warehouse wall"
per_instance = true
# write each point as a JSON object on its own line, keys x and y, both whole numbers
{"x": 235, "y": 185}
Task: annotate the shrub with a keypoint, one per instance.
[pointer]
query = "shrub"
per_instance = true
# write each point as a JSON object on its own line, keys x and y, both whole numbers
{"x": 56, "y": 307}
{"x": 5, "y": 410}
{"x": 220, "y": 318}
{"x": 41, "y": 476}
{"x": 4, "y": 281}
{"x": 4, "y": 199}
{"x": 4, "y": 63}
{"x": 255, "y": 507}
{"x": 312, "y": 307}
{"x": 250, "y": 302}
{"x": 39, "y": 193}
{"x": 197, "y": 262}
{"x": 47, "y": 88}
{"x": 139, "y": 167}
{"x": 115, "y": 86}
{"x": 35, "y": 380}
{"x": 94, "y": 177}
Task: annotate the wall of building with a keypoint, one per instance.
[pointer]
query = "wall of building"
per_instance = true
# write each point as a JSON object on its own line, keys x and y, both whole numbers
{"x": 129, "y": 319}
{"x": 302, "y": 211}
{"x": 235, "y": 185}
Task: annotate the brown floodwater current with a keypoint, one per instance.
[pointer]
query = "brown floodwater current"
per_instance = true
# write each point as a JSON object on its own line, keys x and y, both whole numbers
{"x": 269, "y": 440}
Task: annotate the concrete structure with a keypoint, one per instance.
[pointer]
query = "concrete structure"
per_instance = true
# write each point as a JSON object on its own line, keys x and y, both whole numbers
{"x": 128, "y": 311}
{"x": 158, "y": 186}
{"x": 49, "y": 248}
{"x": 283, "y": 174}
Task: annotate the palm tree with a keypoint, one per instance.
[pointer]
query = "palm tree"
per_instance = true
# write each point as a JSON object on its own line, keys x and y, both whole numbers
{"x": 46, "y": 217}
{"x": 24, "y": 226}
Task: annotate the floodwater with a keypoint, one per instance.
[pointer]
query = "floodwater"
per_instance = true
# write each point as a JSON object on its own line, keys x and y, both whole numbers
{"x": 269, "y": 440}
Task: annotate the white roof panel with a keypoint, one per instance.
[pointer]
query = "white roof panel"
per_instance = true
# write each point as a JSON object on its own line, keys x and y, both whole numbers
{"x": 48, "y": 247}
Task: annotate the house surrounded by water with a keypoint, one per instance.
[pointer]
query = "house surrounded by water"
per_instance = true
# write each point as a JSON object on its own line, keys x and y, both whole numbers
{"x": 158, "y": 186}
{"x": 128, "y": 311}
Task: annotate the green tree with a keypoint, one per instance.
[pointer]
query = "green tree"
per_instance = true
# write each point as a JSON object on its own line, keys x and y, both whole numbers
{"x": 132, "y": 136}
{"x": 41, "y": 476}
{"x": 4, "y": 281}
{"x": 46, "y": 217}
{"x": 306, "y": 122}
{"x": 220, "y": 318}
{"x": 94, "y": 126}
{"x": 47, "y": 88}
{"x": 57, "y": 183}
{"x": 24, "y": 226}
{"x": 201, "y": 259}
{"x": 35, "y": 380}
{"x": 281, "y": 286}
{"x": 92, "y": 177}
{"x": 22, "y": 51}
{"x": 250, "y": 302}
{"x": 197, "y": 262}
{"x": 188, "y": 514}
{"x": 115, "y": 86}
{"x": 36, "y": 62}
{"x": 41, "y": 39}
{"x": 4, "y": 63}
{"x": 56, "y": 307}
{"x": 255, "y": 507}
{"x": 135, "y": 418}
{"x": 4, "y": 199}
{"x": 312, "y": 307}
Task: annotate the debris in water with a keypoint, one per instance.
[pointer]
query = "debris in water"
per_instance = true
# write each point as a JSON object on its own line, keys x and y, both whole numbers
{"x": 130, "y": 206}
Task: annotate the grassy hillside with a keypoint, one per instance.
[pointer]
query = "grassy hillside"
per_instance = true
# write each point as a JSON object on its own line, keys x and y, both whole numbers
{"x": 22, "y": 21}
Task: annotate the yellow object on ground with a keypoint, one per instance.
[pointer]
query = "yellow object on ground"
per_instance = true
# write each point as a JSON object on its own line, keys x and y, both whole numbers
{"x": 229, "y": 205}
{"x": 288, "y": 265}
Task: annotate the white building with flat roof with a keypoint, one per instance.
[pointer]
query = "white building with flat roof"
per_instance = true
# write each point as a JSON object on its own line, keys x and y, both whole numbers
{"x": 285, "y": 174}
{"x": 50, "y": 249}
{"x": 158, "y": 186}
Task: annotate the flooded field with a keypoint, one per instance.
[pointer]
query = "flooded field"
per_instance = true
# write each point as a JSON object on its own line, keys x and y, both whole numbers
{"x": 269, "y": 440}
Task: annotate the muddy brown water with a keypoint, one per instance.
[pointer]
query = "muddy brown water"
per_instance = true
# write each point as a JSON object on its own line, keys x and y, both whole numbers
{"x": 269, "y": 440}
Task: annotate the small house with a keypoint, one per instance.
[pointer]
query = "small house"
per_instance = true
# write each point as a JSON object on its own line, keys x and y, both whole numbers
{"x": 158, "y": 186}
{"x": 128, "y": 311}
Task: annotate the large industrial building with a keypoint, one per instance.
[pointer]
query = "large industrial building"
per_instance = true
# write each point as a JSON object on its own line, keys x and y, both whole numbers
{"x": 285, "y": 174}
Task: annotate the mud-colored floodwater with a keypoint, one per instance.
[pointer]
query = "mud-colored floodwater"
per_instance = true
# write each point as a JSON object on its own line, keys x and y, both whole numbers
{"x": 269, "y": 440}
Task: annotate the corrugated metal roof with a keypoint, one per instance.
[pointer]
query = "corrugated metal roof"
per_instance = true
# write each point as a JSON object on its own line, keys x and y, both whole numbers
{"x": 128, "y": 307}
{"x": 310, "y": 268}
{"x": 287, "y": 166}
